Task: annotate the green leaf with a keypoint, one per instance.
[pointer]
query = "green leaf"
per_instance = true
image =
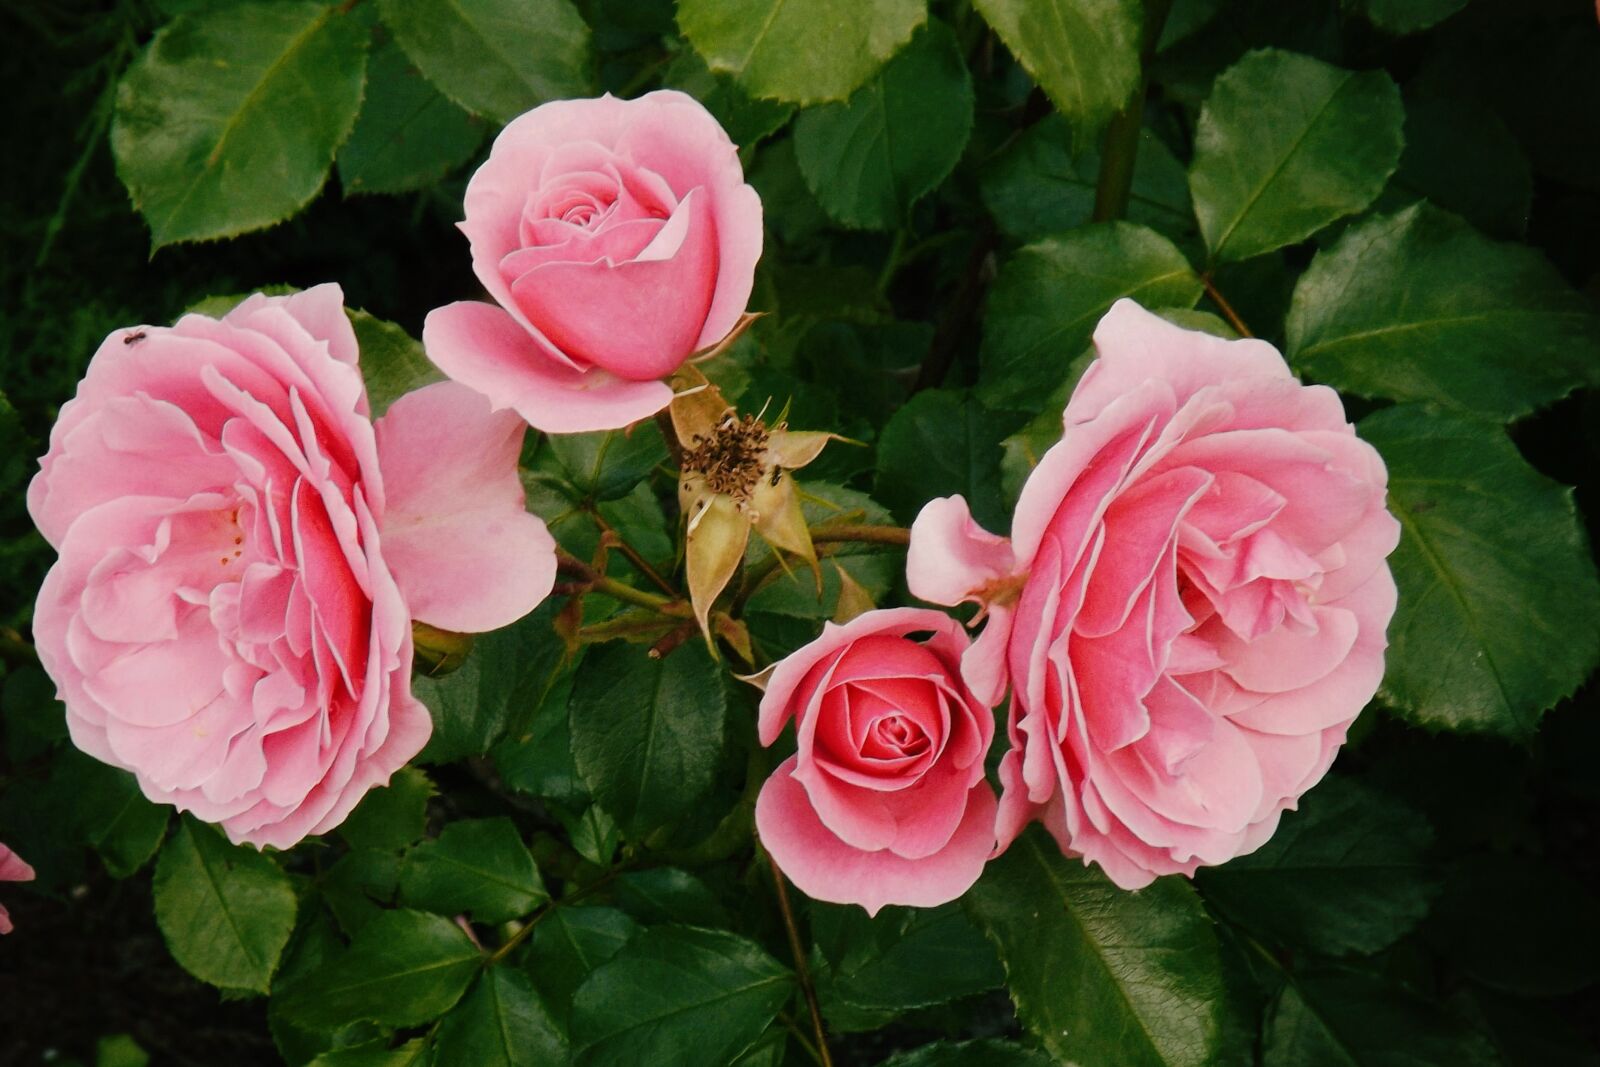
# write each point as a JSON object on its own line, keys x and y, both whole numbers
{"x": 116, "y": 819}
{"x": 404, "y": 968}
{"x": 747, "y": 119}
{"x": 1346, "y": 873}
{"x": 392, "y": 816}
{"x": 902, "y": 958}
{"x": 1544, "y": 936}
{"x": 1048, "y": 297}
{"x": 392, "y": 362}
{"x": 537, "y": 758}
{"x": 409, "y": 135}
{"x": 501, "y": 1023}
{"x": 34, "y": 719}
{"x": 496, "y": 58}
{"x": 609, "y": 464}
{"x": 1287, "y": 144}
{"x": 986, "y": 1053}
{"x": 869, "y": 159}
{"x": 1419, "y": 306}
{"x": 229, "y": 119}
{"x": 677, "y": 995}
{"x": 941, "y": 442}
{"x": 572, "y": 941}
{"x": 1039, "y": 186}
{"x": 1499, "y": 613}
{"x": 648, "y": 734}
{"x": 356, "y": 885}
{"x": 1099, "y": 974}
{"x": 507, "y": 672}
{"x": 1083, "y": 53}
{"x": 803, "y": 51}
{"x": 1404, "y": 16}
{"x": 226, "y": 911}
{"x": 1347, "y": 1019}
{"x": 120, "y": 1050}
{"x": 478, "y": 866}
{"x": 1463, "y": 159}
{"x": 668, "y": 895}
{"x": 413, "y": 1053}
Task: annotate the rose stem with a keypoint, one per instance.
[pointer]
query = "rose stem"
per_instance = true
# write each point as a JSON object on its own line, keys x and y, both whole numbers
{"x": 615, "y": 540}
{"x": 800, "y": 969}
{"x": 1121, "y": 147}
{"x": 1226, "y": 308}
{"x": 610, "y": 587}
{"x": 878, "y": 535}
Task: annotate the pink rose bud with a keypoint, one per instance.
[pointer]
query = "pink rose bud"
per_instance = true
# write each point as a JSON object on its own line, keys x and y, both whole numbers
{"x": 618, "y": 237}
{"x": 243, "y": 551}
{"x": 885, "y": 801}
{"x": 1191, "y": 609}
{"x": 12, "y": 869}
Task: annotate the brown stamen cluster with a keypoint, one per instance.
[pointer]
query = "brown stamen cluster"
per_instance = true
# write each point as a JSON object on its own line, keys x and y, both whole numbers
{"x": 733, "y": 458}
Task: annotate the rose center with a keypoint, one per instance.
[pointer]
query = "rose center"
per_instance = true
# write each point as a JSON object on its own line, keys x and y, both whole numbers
{"x": 899, "y": 735}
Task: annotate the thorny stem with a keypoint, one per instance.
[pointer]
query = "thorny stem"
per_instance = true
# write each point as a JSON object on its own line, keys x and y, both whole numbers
{"x": 533, "y": 920}
{"x": 878, "y": 535}
{"x": 1222, "y": 305}
{"x": 801, "y": 970}
{"x": 614, "y": 540}
{"x": 799, "y": 1035}
{"x": 599, "y": 583}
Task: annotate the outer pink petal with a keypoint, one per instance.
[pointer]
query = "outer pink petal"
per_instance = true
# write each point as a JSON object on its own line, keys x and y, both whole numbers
{"x": 483, "y": 347}
{"x": 825, "y": 868}
{"x": 951, "y": 557}
{"x": 458, "y": 537}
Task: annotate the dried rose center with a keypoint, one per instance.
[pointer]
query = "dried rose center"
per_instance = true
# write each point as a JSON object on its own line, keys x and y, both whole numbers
{"x": 733, "y": 458}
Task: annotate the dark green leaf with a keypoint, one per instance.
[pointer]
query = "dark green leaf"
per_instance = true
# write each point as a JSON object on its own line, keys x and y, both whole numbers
{"x": 1529, "y": 1033}
{"x": 747, "y": 119}
{"x": 408, "y": 135}
{"x": 1048, "y": 297}
{"x": 677, "y": 995}
{"x": 34, "y": 719}
{"x": 404, "y": 968}
{"x": 117, "y": 820}
{"x": 413, "y": 1053}
{"x": 902, "y": 958}
{"x": 608, "y": 465}
{"x": 356, "y": 885}
{"x": 1287, "y": 144}
{"x": 869, "y": 159}
{"x": 496, "y": 58}
{"x": 571, "y": 942}
{"x": 940, "y": 443}
{"x": 668, "y": 895}
{"x": 1039, "y": 186}
{"x": 1083, "y": 53}
{"x": 988, "y": 1053}
{"x": 648, "y": 734}
{"x": 804, "y": 51}
{"x": 1499, "y": 613}
{"x": 392, "y": 816}
{"x": 1346, "y": 873}
{"x": 1419, "y": 306}
{"x": 501, "y": 1023}
{"x": 1405, "y": 16}
{"x": 507, "y": 672}
{"x": 479, "y": 866}
{"x": 1101, "y": 975}
{"x": 226, "y": 911}
{"x": 1349, "y": 1019}
{"x": 229, "y": 120}
{"x": 1519, "y": 926}
{"x": 392, "y": 362}
{"x": 538, "y": 759}
{"x": 1464, "y": 159}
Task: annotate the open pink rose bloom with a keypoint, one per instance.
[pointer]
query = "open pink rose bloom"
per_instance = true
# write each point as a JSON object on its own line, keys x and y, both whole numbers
{"x": 12, "y": 869}
{"x": 1191, "y": 608}
{"x": 243, "y": 550}
{"x": 885, "y": 801}
{"x": 617, "y": 237}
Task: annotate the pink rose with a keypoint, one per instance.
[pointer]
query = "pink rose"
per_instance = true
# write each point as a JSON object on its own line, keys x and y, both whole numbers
{"x": 1191, "y": 609}
{"x": 243, "y": 551}
{"x": 12, "y": 869}
{"x": 618, "y": 237}
{"x": 885, "y": 801}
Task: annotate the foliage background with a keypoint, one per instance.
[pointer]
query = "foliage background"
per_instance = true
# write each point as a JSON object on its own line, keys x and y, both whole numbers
{"x": 1433, "y": 903}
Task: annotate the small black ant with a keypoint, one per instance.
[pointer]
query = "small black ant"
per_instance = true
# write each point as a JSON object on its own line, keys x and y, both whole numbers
{"x": 132, "y": 337}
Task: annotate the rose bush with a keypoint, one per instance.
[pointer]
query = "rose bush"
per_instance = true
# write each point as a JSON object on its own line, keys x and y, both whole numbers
{"x": 242, "y": 553}
{"x": 885, "y": 801}
{"x": 1191, "y": 608}
{"x": 617, "y": 237}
